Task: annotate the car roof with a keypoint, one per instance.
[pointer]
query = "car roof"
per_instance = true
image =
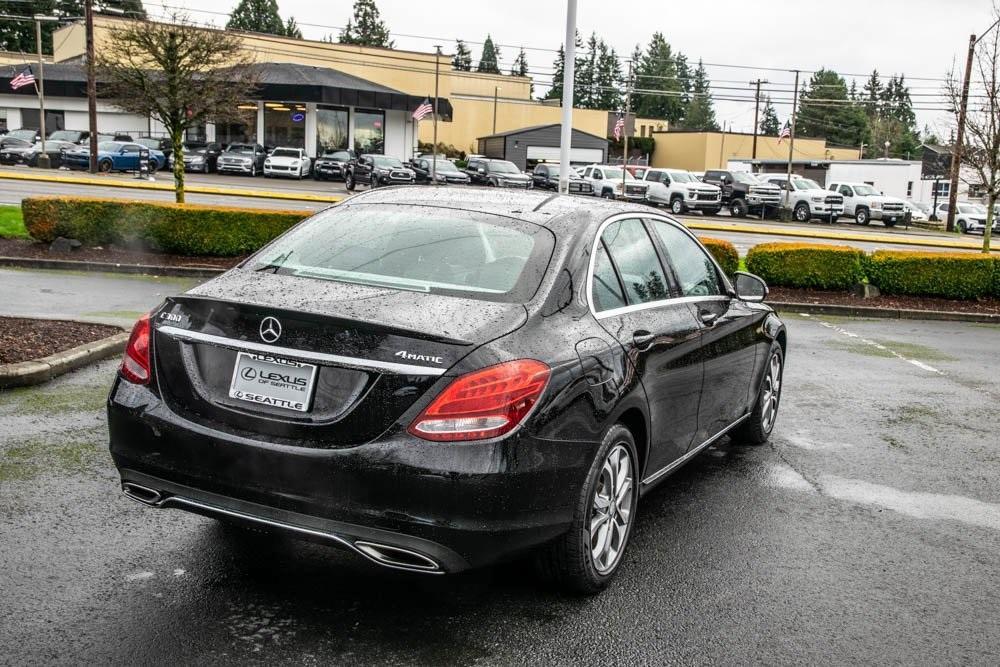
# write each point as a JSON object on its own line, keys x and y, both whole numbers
{"x": 560, "y": 213}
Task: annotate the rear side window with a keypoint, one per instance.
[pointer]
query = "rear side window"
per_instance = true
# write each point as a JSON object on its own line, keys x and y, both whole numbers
{"x": 637, "y": 261}
{"x": 415, "y": 248}
{"x": 606, "y": 291}
{"x": 692, "y": 266}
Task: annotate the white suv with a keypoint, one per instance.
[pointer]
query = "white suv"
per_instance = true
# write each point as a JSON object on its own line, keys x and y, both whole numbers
{"x": 806, "y": 199}
{"x": 607, "y": 182}
{"x": 866, "y": 203}
{"x": 284, "y": 161}
{"x": 681, "y": 191}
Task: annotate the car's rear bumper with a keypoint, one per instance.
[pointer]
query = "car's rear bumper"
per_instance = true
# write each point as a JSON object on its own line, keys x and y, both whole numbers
{"x": 458, "y": 505}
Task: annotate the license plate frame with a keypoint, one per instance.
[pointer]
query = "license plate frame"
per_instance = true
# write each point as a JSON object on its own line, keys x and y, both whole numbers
{"x": 264, "y": 379}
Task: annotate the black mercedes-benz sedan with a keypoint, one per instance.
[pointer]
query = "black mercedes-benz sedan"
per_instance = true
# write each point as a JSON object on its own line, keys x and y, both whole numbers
{"x": 438, "y": 380}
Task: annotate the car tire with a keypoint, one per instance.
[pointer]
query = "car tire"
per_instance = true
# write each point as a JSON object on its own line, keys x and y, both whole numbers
{"x": 677, "y": 206}
{"x": 862, "y": 217}
{"x": 105, "y": 166}
{"x": 253, "y": 170}
{"x": 758, "y": 426}
{"x": 607, "y": 194}
{"x": 962, "y": 228}
{"x": 569, "y": 562}
{"x": 738, "y": 208}
{"x": 349, "y": 181}
{"x": 374, "y": 182}
{"x": 802, "y": 213}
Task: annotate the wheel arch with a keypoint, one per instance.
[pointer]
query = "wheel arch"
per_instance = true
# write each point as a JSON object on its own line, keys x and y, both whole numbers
{"x": 636, "y": 422}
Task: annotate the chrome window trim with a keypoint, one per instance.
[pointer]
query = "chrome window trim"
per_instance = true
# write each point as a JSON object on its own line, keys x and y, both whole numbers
{"x": 676, "y": 463}
{"x": 306, "y": 355}
{"x": 588, "y": 291}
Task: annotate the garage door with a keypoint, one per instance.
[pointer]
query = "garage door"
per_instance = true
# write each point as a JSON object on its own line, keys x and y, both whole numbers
{"x": 579, "y": 155}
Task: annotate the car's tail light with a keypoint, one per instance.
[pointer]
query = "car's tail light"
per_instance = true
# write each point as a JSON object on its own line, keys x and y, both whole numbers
{"x": 135, "y": 363}
{"x": 483, "y": 404}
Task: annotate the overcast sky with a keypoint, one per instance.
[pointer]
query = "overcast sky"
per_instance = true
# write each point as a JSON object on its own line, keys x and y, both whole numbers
{"x": 918, "y": 38}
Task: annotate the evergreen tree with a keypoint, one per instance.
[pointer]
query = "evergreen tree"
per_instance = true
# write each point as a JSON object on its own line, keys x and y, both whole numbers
{"x": 366, "y": 27}
{"x": 608, "y": 79}
{"x": 292, "y": 28}
{"x": 657, "y": 71}
{"x": 17, "y": 35}
{"x": 826, "y": 111}
{"x": 769, "y": 123}
{"x": 488, "y": 61}
{"x": 559, "y": 69}
{"x": 586, "y": 75}
{"x": 257, "y": 16}
{"x": 700, "y": 114}
{"x": 684, "y": 77}
{"x": 520, "y": 68}
{"x": 889, "y": 110}
{"x": 463, "y": 57}
{"x": 872, "y": 96}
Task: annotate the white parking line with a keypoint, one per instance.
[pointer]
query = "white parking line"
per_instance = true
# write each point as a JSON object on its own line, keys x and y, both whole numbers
{"x": 879, "y": 346}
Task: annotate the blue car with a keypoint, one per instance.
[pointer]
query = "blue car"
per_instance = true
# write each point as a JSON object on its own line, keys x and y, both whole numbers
{"x": 114, "y": 156}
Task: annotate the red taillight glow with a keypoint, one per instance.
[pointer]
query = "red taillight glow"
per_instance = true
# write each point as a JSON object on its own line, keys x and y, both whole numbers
{"x": 483, "y": 404}
{"x": 135, "y": 363}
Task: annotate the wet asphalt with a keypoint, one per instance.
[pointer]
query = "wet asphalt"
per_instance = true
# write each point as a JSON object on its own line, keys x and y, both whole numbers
{"x": 867, "y": 531}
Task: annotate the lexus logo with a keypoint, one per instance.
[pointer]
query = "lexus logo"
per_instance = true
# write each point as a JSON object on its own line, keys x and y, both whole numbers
{"x": 270, "y": 329}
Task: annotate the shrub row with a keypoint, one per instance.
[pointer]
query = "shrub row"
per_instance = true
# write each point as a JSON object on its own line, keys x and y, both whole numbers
{"x": 182, "y": 229}
{"x": 941, "y": 274}
{"x": 724, "y": 252}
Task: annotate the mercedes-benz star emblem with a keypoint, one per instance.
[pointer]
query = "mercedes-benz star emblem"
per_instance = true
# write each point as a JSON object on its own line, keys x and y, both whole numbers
{"x": 270, "y": 329}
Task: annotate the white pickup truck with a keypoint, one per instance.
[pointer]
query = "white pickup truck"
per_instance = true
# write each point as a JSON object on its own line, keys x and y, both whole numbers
{"x": 681, "y": 191}
{"x": 806, "y": 198}
{"x": 610, "y": 183}
{"x": 865, "y": 204}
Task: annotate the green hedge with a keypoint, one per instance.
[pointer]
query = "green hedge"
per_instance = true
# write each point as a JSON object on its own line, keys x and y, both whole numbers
{"x": 949, "y": 275}
{"x": 724, "y": 252}
{"x": 807, "y": 265}
{"x": 182, "y": 229}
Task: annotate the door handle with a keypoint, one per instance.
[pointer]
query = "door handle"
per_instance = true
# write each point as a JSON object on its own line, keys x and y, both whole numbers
{"x": 642, "y": 339}
{"x": 708, "y": 316}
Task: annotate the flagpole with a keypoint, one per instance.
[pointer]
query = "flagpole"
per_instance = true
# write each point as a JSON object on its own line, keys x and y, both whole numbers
{"x": 43, "y": 158}
{"x": 434, "y": 147}
{"x": 791, "y": 145}
{"x": 628, "y": 107}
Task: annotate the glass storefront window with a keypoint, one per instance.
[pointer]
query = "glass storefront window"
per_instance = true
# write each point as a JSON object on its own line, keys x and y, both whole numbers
{"x": 284, "y": 125}
{"x": 242, "y": 131}
{"x": 331, "y": 129}
{"x": 196, "y": 134}
{"x": 369, "y": 131}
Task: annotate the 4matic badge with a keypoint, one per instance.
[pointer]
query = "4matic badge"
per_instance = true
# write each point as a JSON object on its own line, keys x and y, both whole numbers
{"x": 409, "y": 356}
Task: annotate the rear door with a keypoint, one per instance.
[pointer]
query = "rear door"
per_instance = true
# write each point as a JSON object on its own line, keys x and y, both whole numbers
{"x": 728, "y": 339}
{"x": 635, "y": 301}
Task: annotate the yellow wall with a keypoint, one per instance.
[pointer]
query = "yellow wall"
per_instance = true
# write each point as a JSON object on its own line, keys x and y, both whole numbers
{"x": 698, "y": 151}
{"x": 16, "y": 58}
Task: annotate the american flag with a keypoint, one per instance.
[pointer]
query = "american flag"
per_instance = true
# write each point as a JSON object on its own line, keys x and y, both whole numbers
{"x": 619, "y": 128}
{"x": 785, "y": 133}
{"x": 25, "y": 78}
{"x": 423, "y": 110}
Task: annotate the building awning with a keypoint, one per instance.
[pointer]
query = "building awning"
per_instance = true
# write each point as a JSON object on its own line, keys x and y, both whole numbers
{"x": 278, "y": 81}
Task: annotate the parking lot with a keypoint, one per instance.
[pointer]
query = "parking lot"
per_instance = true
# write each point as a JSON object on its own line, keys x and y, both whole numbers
{"x": 869, "y": 530}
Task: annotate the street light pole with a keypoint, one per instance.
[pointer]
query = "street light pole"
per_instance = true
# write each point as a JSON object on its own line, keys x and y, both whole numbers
{"x": 437, "y": 78}
{"x": 496, "y": 92}
{"x": 791, "y": 146}
{"x": 569, "y": 76}
{"x": 91, "y": 84}
{"x": 43, "y": 157}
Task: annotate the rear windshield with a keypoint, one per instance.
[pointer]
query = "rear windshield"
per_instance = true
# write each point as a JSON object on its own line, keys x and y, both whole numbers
{"x": 415, "y": 248}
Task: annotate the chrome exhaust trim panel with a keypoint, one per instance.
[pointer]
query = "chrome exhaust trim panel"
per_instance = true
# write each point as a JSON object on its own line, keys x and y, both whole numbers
{"x": 384, "y": 555}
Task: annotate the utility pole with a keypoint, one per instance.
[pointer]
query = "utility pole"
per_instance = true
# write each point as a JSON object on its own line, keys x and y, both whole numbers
{"x": 956, "y": 155}
{"x": 43, "y": 157}
{"x": 434, "y": 148}
{"x": 791, "y": 145}
{"x": 496, "y": 92}
{"x": 91, "y": 84}
{"x": 756, "y": 114}
{"x": 628, "y": 108}
{"x": 569, "y": 77}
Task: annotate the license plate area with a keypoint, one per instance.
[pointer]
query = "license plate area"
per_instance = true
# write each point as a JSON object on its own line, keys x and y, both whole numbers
{"x": 272, "y": 381}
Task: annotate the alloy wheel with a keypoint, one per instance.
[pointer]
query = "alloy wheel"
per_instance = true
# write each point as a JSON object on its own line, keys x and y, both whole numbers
{"x": 772, "y": 394}
{"x": 611, "y": 509}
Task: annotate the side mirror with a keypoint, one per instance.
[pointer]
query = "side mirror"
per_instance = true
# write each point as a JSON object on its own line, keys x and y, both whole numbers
{"x": 750, "y": 288}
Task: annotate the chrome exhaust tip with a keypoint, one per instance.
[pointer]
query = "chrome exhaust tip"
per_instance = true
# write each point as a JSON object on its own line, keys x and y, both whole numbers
{"x": 397, "y": 557}
{"x": 142, "y": 494}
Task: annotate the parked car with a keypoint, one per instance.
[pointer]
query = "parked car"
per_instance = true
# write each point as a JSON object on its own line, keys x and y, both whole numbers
{"x": 608, "y": 183}
{"x": 404, "y": 377}
{"x": 161, "y": 144}
{"x": 114, "y": 156}
{"x": 72, "y": 136}
{"x": 54, "y": 148}
{"x": 199, "y": 156}
{"x": 864, "y": 203}
{"x": 13, "y": 149}
{"x": 681, "y": 191}
{"x": 287, "y": 161}
{"x": 546, "y": 177}
{"x": 807, "y": 199}
{"x": 445, "y": 172}
{"x": 969, "y": 218}
{"x": 375, "y": 170}
{"x": 919, "y": 212}
{"x": 496, "y": 173}
{"x": 245, "y": 159}
{"x": 24, "y": 134}
{"x": 330, "y": 166}
{"x": 744, "y": 193}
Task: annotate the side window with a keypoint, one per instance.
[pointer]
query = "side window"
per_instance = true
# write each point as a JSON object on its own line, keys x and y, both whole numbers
{"x": 606, "y": 291}
{"x": 694, "y": 269}
{"x": 598, "y": 175}
{"x": 637, "y": 261}
{"x": 846, "y": 191}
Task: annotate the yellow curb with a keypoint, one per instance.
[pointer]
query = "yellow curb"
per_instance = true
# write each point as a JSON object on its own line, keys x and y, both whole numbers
{"x": 805, "y": 233}
{"x": 164, "y": 187}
